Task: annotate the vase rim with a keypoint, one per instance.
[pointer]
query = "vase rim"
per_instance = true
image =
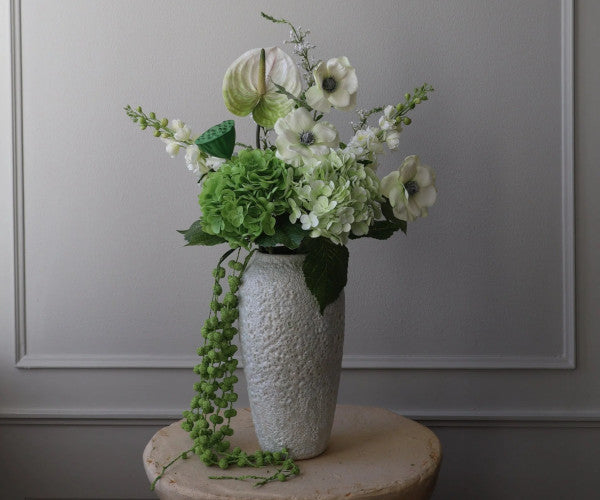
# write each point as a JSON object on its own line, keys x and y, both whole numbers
{"x": 281, "y": 256}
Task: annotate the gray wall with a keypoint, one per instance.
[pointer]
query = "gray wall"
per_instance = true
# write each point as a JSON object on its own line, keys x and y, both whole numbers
{"x": 467, "y": 324}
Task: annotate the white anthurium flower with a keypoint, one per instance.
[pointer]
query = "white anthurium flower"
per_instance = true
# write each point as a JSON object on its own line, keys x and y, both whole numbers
{"x": 300, "y": 136}
{"x": 335, "y": 85}
{"x": 249, "y": 85}
{"x": 410, "y": 189}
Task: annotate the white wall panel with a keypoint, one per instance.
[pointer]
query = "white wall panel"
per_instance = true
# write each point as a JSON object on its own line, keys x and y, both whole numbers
{"x": 108, "y": 284}
{"x": 485, "y": 282}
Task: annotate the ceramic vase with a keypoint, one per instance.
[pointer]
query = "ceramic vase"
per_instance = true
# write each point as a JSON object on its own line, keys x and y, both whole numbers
{"x": 292, "y": 355}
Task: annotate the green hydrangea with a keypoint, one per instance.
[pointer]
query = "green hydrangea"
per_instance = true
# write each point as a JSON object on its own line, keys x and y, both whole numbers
{"x": 241, "y": 200}
{"x": 335, "y": 195}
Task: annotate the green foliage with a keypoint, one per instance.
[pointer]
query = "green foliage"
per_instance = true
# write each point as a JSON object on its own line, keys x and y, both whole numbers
{"x": 299, "y": 101}
{"x": 195, "y": 235}
{"x": 241, "y": 200}
{"x": 286, "y": 234}
{"x": 211, "y": 408}
{"x": 159, "y": 126}
{"x": 419, "y": 95}
{"x": 388, "y": 213}
{"x": 299, "y": 40}
{"x": 325, "y": 270}
{"x": 219, "y": 140}
{"x": 383, "y": 229}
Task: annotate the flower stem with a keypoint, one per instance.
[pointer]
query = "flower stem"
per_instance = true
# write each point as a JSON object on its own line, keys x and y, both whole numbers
{"x": 164, "y": 469}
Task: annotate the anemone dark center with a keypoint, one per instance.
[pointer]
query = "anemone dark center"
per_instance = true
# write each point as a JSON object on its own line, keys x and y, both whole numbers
{"x": 411, "y": 187}
{"x": 329, "y": 84}
{"x": 307, "y": 138}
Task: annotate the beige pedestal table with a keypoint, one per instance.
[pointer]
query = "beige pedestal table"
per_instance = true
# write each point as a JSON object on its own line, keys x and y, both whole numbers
{"x": 373, "y": 453}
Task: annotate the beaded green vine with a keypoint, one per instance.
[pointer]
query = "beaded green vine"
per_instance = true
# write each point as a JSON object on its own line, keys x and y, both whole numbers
{"x": 211, "y": 409}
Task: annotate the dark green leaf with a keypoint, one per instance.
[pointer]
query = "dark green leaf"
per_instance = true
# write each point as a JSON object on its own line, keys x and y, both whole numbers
{"x": 286, "y": 234}
{"x": 388, "y": 213}
{"x": 196, "y": 236}
{"x": 382, "y": 229}
{"x": 325, "y": 270}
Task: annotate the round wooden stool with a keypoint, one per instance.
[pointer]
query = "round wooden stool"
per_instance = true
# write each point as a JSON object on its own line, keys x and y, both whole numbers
{"x": 373, "y": 453}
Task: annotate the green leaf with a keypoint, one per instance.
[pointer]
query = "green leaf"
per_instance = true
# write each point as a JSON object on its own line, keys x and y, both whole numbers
{"x": 286, "y": 234}
{"x": 388, "y": 213}
{"x": 382, "y": 229}
{"x": 195, "y": 235}
{"x": 325, "y": 270}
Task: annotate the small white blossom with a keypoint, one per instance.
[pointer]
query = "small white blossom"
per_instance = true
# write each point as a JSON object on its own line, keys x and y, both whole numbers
{"x": 195, "y": 160}
{"x": 335, "y": 85}
{"x": 309, "y": 221}
{"x": 410, "y": 189}
{"x": 172, "y": 147}
{"x": 295, "y": 213}
{"x": 392, "y": 139}
{"x": 387, "y": 121}
{"x": 366, "y": 145}
{"x": 214, "y": 163}
{"x": 181, "y": 132}
{"x": 299, "y": 136}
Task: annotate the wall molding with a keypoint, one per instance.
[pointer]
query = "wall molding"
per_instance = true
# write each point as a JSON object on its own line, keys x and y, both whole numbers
{"x": 349, "y": 362}
{"x": 432, "y": 418}
{"x": 565, "y": 360}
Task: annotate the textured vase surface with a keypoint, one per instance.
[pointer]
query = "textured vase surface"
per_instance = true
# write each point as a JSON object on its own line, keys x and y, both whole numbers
{"x": 292, "y": 355}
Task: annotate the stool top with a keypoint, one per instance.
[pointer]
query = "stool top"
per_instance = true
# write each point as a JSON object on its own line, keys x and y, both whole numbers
{"x": 372, "y": 453}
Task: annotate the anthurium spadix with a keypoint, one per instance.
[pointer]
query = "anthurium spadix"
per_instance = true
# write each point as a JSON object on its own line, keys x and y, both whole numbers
{"x": 249, "y": 85}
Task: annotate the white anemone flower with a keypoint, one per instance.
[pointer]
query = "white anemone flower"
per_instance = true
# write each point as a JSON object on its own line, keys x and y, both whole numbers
{"x": 335, "y": 85}
{"x": 299, "y": 136}
{"x": 410, "y": 189}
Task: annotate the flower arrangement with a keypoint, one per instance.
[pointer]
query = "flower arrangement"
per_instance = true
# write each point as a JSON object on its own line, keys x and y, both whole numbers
{"x": 299, "y": 190}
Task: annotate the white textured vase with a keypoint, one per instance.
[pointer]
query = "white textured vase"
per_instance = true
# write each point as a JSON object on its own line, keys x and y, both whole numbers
{"x": 292, "y": 355}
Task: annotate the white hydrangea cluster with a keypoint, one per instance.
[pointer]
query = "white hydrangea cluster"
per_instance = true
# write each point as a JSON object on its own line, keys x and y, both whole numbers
{"x": 335, "y": 195}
